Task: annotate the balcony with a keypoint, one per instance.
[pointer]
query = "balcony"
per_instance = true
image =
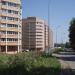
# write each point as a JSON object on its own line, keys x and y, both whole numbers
{"x": 10, "y": 29}
{"x": 15, "y": 1}
{"x": 3, "y": 28}
{"x": 8, "y": 22}
{"x": 12, "y": 36}
{"x": 10, "y": 8}
{"x": 9, "y": 43}
{"x": 10, "y": 15}
{"x": 3, "y": 36}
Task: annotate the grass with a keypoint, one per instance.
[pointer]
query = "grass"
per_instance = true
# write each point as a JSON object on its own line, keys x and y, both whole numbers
{"x": 29, "y": 63}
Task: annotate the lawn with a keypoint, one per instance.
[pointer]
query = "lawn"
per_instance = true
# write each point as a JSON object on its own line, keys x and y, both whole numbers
{"x": 29, "y": 63}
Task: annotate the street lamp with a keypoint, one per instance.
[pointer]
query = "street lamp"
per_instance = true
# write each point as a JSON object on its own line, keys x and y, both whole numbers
{"x": 57, "y": 34}
{"x": 49, "y": 43}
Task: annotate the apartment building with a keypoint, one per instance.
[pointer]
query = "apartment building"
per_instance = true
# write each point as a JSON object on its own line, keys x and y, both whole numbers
{"x": 36, "y": 34}
{"x": 10, "y": 26}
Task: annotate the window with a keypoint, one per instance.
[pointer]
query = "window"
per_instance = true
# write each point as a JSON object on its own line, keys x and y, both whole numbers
{"x": 15, "y": 12}
{"x": 4, "y": 3}
{"x": 13, "y": 4}
{"x": 3, "y": 32}
{"x": 3, "y": 25}
{"x": 12, "y": 25}
{"x": 38, "y": 44}
{"x": 13, "y": 19}
{"x": 12, "y": 39}
{"x": 12, "y": 11}
{"x": 39, "y": 22}
{"x": 4, "y": 17}
{"x": 4, "y": 10}
{"x": 9, "y": 11}
{"x": 10, "y": 18}
{"x": 12, "y": 32}
{"x": 39, "y": 35}
{"x": 3, "y": 39}
{"x": 39, "y": 41}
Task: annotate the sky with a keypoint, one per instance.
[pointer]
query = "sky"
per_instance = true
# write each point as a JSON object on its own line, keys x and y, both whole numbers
{"x": 61, "y": 13}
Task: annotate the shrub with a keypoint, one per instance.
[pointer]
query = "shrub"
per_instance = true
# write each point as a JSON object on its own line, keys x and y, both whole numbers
{"x": 28, "y": 64}
{"x": 57, "y": 50}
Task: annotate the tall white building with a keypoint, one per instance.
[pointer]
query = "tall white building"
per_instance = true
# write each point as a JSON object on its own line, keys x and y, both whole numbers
{"x": 10, "y": 26}
{"x": 36, "y": 34}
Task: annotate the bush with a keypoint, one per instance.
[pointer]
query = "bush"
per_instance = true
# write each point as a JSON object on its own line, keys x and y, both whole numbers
{"x": 57, "y": 50}
{"x": 28, "y": 64}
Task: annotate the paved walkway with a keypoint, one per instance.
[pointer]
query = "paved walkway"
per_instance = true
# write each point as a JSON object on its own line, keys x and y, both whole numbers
{"x": 65, "y": 68}
{"x": 67, "y": 63}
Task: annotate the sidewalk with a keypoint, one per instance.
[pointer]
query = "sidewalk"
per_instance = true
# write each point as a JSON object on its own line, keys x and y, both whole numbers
{"x": 65, "y": 68}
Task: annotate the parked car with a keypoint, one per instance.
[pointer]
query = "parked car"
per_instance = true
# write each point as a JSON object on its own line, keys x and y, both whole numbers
{"x": 25, "y": 50}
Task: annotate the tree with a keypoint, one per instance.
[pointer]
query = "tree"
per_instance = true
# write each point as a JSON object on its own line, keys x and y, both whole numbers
{"x": 67, "y": 45}
{"x": 72, "y": 33}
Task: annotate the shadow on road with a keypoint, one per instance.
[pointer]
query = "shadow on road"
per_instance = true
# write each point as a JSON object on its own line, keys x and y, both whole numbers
{"x": 67, "y": 58}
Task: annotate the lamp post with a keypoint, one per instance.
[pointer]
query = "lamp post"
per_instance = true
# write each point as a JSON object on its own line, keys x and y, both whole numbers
{"x": 29, "y": 36}
{"x": 49, "y": 1}
{"x": 57, "y": 34}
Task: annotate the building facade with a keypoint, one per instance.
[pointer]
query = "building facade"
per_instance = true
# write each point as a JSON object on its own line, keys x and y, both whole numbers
{"x": 35, "y": 34}
{"x": 10, "y": 26}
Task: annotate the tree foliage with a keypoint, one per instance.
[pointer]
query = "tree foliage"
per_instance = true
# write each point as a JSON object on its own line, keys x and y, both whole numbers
{"x": 72, "y": 33}
{"x": 67, "y": 45}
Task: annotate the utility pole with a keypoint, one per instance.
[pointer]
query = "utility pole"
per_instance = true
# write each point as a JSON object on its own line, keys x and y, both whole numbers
{"x": 29, "y": 36}
{"x": 56, "y": 37}
{"x": 49, "y": 25}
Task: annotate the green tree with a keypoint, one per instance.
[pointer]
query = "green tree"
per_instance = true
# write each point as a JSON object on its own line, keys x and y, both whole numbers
{"x": 67, "y": 45}
{"x": 72, "y": 33}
